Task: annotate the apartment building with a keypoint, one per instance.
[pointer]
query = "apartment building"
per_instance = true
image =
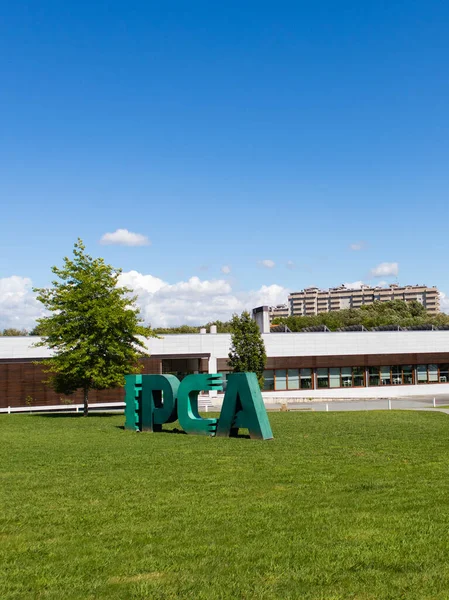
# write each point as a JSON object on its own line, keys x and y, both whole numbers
{"x": 312, "y": 301}
{"x": 281, "y": 310}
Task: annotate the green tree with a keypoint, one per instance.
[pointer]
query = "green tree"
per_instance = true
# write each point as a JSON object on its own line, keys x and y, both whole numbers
{"x": 13, "y": 332}
{"x": 247, "y": 352}
{"x": 93, "y": 327}
{"x": 393, "y": 312}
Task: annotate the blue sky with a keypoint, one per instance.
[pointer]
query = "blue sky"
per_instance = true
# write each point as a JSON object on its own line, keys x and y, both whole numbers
{"x": 228, "y": 134}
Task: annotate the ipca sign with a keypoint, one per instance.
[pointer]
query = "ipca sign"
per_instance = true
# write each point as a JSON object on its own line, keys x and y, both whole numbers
{"x": 152, "y": 400}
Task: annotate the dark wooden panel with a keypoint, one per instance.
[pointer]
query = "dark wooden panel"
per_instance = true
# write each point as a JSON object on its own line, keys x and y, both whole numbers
{"x": 20, "y": 381}
{"x": 222, "y": 364}
{"x": 357, "y": 360}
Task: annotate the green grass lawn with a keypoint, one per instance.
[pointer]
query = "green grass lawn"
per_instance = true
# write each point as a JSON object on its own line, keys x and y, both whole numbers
{"x": 338, "y": 506}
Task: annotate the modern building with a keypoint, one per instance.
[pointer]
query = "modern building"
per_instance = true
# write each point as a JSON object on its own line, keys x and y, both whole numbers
{"x": 313, "y": 301}
{"x": 320, "y": 364}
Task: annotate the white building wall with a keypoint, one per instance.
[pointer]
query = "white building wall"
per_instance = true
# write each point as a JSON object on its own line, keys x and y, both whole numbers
{"x": 276, "y": 344}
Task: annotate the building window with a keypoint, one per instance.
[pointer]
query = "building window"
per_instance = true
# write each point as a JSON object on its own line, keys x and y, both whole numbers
{"x": 373, "y": 374}
{"x": 346, "y": 376}
{"x": 306, "y": 379}
{"x": 268, "y": 380}
{"x": 444, "y": 373}
{"x": 433, "y": 374}
{"x": 407, "y": 374}
{"x": 334, "y": 377}
{"x": 396, "y": 375}
{"x": 281, "y": 379}
{"x": 421, "y": 372}
{"x": 293, "y": 379}
{"x": 322, "y": 378}
{"x": 358, "y": 376}
{"x": 385, "y": 376}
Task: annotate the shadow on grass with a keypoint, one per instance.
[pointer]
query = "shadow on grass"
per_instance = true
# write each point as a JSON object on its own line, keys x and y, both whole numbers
{"x": 182, "y": 432}
{"x": 175, "y": 430}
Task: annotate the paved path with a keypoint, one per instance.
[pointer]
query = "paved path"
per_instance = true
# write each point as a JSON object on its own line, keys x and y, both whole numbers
{"x": 423, "y": 403}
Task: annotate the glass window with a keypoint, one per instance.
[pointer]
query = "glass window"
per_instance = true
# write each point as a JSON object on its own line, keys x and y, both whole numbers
{"x": 268, "y": 383}
{"x": 346, "y": 377}
{"x": 421, "y": 372}
{"x": 385, "y": 377}
{"x": 374, "y": 378}
{"x": 322, "y": 378}
{"x": 433, "y": 373}
{"x": 293, "y": 379}
{"x": 444, "y": 373}
{"x": 407, "y": 374}
{"x": 334, "y": 377}
{"x": 281, "y": 379}
{"x": 358, "y": 374}
{"x": 306, "y": 379}
{"x": 225, "y": 375}
{"x": 396, "y": 375}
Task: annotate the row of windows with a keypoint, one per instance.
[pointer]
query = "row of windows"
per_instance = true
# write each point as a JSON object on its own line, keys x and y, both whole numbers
{"x": 336, "y": 377}
{"x": 288, "y": 379}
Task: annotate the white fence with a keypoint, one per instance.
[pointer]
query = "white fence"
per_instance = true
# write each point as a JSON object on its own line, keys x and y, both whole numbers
{"x": 206, "y": 404}
{"x": 63, "y": 408}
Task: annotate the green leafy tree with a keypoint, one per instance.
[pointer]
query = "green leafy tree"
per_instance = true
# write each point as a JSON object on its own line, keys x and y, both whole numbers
{"x": 247, "y": 352}
{"x": 12, "y": 331}
{"x": 393, "y": 312}
{"x": 93, "y": 327}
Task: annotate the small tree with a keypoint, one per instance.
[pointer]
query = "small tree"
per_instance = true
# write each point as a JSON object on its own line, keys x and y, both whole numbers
{"x": 247, "y": 352}
{"x": 92, "y": 328}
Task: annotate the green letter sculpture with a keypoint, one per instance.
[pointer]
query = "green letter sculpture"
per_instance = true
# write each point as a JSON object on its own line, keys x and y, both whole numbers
{"x": 158, "y": 404}
{"x": 152, "y": 400}
{"x": 133, "y": 396}
{"x": 243, "y": 407}
{"x": 188, "y": 415}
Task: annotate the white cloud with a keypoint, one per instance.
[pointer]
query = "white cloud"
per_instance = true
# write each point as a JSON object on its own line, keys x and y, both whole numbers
{"x": 123, "y": 237}
{"x": 267, "y": 263}
{"x": 385, "y": 269}
{"x": 444, "y": 302}
{"x": 195, "y": 301}
{"x": 226, "y": 269}
{"x": 355, "y": 285}
{"x": 357, "y": 246}
{"x": 18, "y": 305}
{"x": 291, "y": 264}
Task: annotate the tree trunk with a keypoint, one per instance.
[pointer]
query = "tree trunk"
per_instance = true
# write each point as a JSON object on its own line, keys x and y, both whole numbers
{"x": 86, "y": 402}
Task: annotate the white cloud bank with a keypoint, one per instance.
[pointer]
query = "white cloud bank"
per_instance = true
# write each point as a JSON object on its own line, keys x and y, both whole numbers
{"x": 355, "y": 285}
{"x": 385, "y": 269}
{"x": 195, "y": 301}
{"x": 192, "y": 302}
{"x": 123, "y": 237}
{"x": 444, "y": 302}
{"x": 18, "y": 305}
